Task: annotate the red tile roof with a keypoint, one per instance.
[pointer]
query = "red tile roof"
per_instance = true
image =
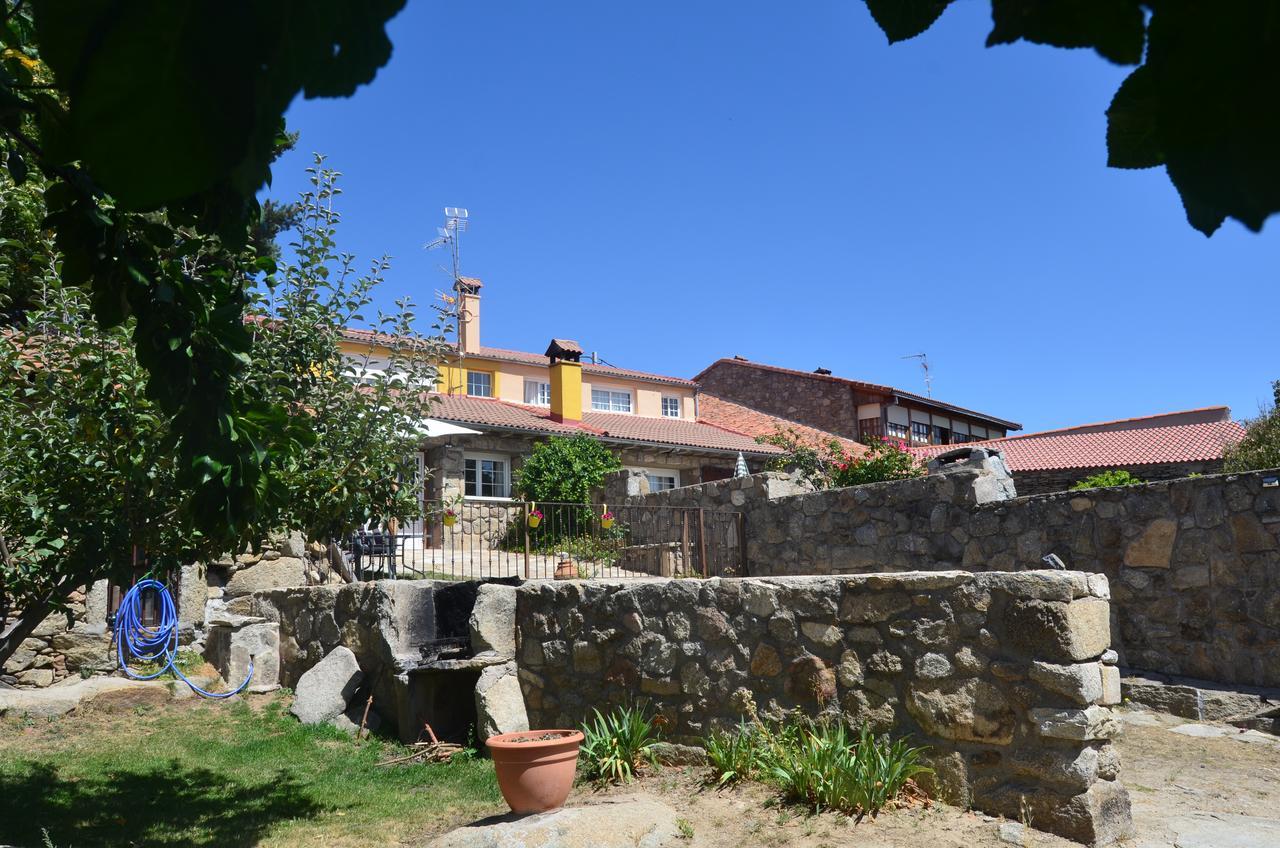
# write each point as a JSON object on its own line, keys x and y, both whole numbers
{"x": 524, "y": 357}
{"x": 1190, "y": 436}
{"x": 614, "y": 427}
{"x": 859, "y": 384}
{"x": 753, "y": 422}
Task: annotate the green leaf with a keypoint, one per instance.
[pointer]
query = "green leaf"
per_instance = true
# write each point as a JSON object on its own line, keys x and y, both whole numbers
{"x": 1133, "y": 133}
{"x": 904, "y": 19}
{"x": 1114, "y": 28}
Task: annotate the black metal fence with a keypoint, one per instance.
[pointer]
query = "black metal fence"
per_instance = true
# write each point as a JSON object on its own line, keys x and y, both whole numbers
{"x": 478, "y": 539}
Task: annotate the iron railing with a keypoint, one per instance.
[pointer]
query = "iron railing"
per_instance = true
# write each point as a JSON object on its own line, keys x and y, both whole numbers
{"x": 478, "y": 539}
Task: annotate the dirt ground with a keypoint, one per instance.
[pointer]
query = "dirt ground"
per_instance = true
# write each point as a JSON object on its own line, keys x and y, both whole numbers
{"x": 1181, "y": 787}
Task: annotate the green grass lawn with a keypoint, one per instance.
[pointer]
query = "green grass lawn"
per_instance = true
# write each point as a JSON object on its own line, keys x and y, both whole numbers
{"x": 225, "y": 774}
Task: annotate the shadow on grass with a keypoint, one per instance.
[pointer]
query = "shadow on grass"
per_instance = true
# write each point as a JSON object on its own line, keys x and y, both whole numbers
{"x": 171, "y": 806}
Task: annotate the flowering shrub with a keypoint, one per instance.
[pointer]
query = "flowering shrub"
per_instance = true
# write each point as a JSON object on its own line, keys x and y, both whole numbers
{"x": 831, "y": 465}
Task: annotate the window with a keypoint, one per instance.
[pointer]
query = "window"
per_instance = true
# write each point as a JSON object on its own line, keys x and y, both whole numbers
{"x": 662, "y": 481}
{"x": 920, "y": 432}
{"x": 941, "y": 436}
{"x": 536, "y": 393}
{"x": 670, "y": 407}
{"x": 486, "y": 477}
{"x": 479, "y": 384}
{"x": 869, "y": 428}
{"x": 896, "y": 431}
{"x": 604, "y": 400}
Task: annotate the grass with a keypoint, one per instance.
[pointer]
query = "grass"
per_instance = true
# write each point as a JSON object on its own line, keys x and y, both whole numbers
{"x": 224, "y": 774}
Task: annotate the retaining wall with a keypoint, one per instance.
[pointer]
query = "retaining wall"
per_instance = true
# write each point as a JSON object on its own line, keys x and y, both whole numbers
{"x": 1004, "y": 676}
{"x": 1194, "y": 563}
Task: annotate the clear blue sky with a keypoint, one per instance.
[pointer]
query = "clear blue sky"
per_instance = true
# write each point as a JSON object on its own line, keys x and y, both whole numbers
{"x": 673, "y": 182}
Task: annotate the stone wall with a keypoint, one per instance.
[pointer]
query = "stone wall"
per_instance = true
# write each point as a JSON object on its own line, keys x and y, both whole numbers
{"x": 60, "y": 647}
{"x": 1060, "y": 480}
{"x": 1005, "y": 677}
{"x": 825, "y": 403}
{"x": 1194, "y": 563}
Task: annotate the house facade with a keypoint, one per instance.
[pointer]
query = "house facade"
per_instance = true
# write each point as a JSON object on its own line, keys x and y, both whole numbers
{"x": 850, "y": 409}
{"x": 492, "y": 405}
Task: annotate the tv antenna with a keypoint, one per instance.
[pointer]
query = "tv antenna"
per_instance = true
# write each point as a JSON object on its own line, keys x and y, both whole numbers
{"x": 924, "y": 363}
{"x": 456, "y": 222}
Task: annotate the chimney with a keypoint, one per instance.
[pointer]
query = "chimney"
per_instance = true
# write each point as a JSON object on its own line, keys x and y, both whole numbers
{"x": 469, "y": 314}
{"x": 566, "y": 380}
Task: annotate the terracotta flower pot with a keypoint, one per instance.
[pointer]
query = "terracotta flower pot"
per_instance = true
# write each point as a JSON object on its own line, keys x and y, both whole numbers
{"x": 566, "y": 570}
{"x": 535, "y": 773}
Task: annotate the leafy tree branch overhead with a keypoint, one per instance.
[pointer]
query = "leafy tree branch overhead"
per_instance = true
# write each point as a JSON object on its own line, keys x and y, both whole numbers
{"x": 175, "y": 107}
{"x": 1204, "y": 101}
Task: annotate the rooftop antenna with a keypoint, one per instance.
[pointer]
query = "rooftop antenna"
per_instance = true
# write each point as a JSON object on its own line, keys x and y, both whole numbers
{"x": 924, "y": 363}
{"x": 456, "y": 222}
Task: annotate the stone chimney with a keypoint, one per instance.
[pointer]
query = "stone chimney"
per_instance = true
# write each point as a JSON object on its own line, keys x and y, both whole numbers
{"x": 566, "y": 380}
{"x": 469, "y": 314}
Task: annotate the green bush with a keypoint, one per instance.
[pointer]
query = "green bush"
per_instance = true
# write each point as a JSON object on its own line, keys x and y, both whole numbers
{"x": 618, "y": 743}
{"x": 1104, "y": 479}
{"x": 1260, "y": 447}
{"x": 827, "y": 465}
{"x": 565, "y": 469}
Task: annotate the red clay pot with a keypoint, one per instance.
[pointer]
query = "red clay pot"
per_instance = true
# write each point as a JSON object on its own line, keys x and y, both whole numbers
{"x": 535, "y": 776}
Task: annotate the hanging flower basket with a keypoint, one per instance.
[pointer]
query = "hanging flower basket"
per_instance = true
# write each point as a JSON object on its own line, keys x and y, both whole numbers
{"x": 606, "y": 520}
{"x": 450, "y": 518}
{"x": 535, "y": 518}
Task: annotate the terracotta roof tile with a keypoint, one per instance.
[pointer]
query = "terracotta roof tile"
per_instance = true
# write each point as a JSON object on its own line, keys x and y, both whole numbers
{"x": 1111, "y": 444}
{"x": 607, "y": 426}
{"x": 754, "y": 423}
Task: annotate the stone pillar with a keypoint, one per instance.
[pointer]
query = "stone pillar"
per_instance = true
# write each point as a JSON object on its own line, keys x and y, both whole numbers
{"x": 235, "y": 640}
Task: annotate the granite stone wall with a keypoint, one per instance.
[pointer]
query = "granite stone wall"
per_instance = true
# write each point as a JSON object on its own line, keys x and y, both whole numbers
{"x": 1194, "y": 563}
{"x": 1007, "y": 677}
{"x": 1060, "y": 480}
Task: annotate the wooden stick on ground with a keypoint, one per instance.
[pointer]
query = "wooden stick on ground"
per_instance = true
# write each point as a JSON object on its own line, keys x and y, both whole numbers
{"x": 364, "y": 719}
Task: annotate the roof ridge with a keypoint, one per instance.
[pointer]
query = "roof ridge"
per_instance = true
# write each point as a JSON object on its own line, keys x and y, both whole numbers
{"x": 1012, "y": 425}
{"x": 1075, "y": 427}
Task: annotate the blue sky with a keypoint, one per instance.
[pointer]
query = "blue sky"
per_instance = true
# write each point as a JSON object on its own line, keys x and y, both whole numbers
{"x": 673, "y": 182}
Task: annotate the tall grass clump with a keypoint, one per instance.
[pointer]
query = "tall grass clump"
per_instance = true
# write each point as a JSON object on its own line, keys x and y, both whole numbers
{"x": 822, "y": 764}
{"x": 617, "y": 744}
{"x": 826, "y": 767}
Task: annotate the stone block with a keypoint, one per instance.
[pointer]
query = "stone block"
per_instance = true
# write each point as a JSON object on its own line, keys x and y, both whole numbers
{"x": 234, "y": 642}
{"x": 1079, "y": 682}
{"x": 1091, "y": 723}
{"x": 1061, "y": 632}
{"x": 1110, "y": 686}
{"x": 500, "y": 704}
{"x": 1097, "y": 817}
{"x": 324, "y": 691}
{"x": 266, "y": 575}
{"x": 821, "y": 633}
{"x": 765, "y": 661}
{"x": 85, "y": 649}
{"x": 493, "y": 620}
{"x": 1154, "y": 546}
{"x": 869, "y": 607}
{"x": 25, "y": 656}
{"x": 965, "y": 711}
{"x": 1072, "y": 768}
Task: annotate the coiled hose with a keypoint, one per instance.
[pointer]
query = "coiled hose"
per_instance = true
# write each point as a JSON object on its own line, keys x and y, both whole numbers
{"x": 158, "y": 643}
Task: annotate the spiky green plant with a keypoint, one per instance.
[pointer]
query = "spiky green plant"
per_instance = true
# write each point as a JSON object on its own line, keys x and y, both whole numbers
{"x": 618, "y": 743}
{"x": 739, "y": 754}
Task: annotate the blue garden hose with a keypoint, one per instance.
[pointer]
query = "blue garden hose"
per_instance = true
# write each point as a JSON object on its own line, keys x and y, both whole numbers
{"x": 158, "y": 643}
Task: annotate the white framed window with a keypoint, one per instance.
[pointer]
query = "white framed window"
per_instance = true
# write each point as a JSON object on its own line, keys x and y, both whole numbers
{"x": 486, "y": 476}
{"x": 607, "y": 400}
{"x": 479, "y": 384}
{"x": 537, "y": 393}
{"x": 670, "y": 407}
{"x": 660, "y": 479}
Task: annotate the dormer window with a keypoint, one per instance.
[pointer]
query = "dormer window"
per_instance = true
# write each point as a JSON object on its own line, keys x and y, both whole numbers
{"x": 670, "y": 407}
{"x": 479, "y": 384}
{"x": 607, "y": 400}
